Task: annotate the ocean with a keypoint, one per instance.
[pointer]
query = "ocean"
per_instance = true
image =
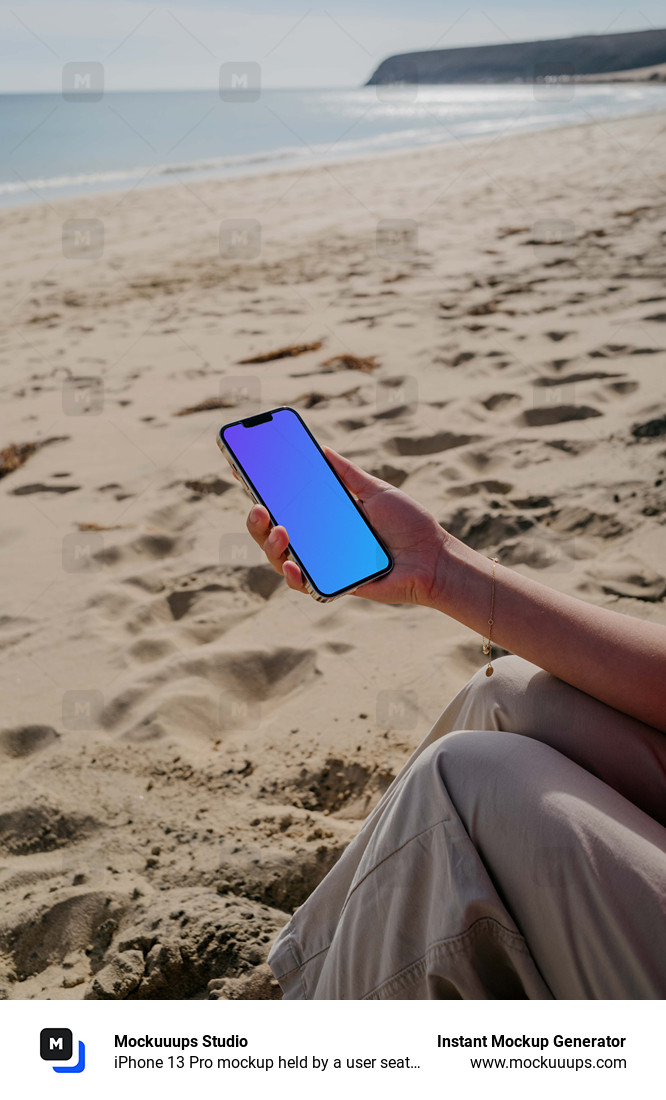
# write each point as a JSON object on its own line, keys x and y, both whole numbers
{"x": 54, "y": 146}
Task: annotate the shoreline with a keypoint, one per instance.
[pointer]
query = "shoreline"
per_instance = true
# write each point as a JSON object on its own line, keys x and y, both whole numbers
{"x": 202, "y": 176}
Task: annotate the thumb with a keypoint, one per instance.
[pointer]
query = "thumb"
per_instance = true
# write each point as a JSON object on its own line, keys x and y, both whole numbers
{"x": 357, "y": 481}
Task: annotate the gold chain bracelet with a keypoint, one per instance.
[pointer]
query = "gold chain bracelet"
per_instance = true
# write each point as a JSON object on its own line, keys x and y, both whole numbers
{"x": 488, "y": 645}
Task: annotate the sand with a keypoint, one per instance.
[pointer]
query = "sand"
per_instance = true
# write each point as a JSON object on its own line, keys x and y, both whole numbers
{"x": 655, "y": 73}
{"x": 187, "y": 746}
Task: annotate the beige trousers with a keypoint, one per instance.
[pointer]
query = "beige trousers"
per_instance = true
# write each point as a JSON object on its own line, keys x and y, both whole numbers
{"x": 520, "y": 853}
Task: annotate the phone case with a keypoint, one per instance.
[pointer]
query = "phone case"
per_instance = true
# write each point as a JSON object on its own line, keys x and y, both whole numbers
{"x": 241, "y": 477}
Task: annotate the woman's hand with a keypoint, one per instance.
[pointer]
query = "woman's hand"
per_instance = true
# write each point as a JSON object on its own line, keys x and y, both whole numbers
{"x": 415, "y": 539}
{"x": 609, "y": 655}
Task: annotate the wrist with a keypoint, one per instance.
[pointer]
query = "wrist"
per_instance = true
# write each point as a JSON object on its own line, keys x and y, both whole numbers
{"x": 457, "y": 568}
{"x": 438, "y": 582}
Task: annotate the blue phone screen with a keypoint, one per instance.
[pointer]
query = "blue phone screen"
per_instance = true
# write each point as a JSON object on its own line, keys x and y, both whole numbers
{"x": 326, "y": 531}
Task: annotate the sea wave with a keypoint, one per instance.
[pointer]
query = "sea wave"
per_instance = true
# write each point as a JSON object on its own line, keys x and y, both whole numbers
{"x": 397, "y": 139}
{"x": 447, "y": 126}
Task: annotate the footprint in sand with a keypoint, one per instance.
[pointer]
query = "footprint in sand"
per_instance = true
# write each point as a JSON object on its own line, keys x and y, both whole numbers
{"x": 580, "y": 376}
{"x": 15, "y": 629}
{"x": 147, "y": 547}
{"x": 631, "y": 580}
{"x": 353, "y": 425}
{"x": 490, "y": 485}
{"x": 500, "y": 401}
{"x": 462, "y": 357}
{"x": 650, "y": 429}
{"x": 205, "y": 603}
{"x": 394, "y": 412}
{"x": 205, "y": 486}
{"x": 613, "y": 351}
{"x": 557, "y": 414}
{"x": 533, "y": 500}
{"x": 196, "y": 600}
{"x": 39, "y": 487}
{"x": 182, "y": 601}
{"x": 572, "y": 447}
{"x": 147, "y": 650}
{"x": 541, "y": 552}
{"x": 393, "y": 474}
{"x": 344, "y": 787}
{"x": 26, "y": 740}
{"x": 488, "y": 530}
{"x": 577, "y": 519}
{"x": 340, "y": 786}
{"x": 241, "y": 581}
{"x": 623, "y": 389}
{"x": 33, "y": 829}
{"x": 429, "y": 444}
{"x": 278, "y": 879}
{"x": 207, "y": 693}
{"x": 52, "y": 929}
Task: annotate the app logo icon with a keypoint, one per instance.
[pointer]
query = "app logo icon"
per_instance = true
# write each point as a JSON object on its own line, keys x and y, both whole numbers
{"x": 56, "y": 1044}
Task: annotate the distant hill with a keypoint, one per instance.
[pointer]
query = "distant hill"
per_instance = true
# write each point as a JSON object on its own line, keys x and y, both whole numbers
{"x": 526, "y": 61}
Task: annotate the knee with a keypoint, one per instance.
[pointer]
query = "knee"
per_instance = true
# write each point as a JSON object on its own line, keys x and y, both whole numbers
{"x": 492, "y": 702}
{"x": 469, "y": 767}
{"x": 488, "y": 773}
{"x": 510, "y": 674}
{"x": 464, "y": 750}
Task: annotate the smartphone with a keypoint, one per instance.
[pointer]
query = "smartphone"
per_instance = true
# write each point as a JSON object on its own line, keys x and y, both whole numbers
{"x": 281, "y": 466}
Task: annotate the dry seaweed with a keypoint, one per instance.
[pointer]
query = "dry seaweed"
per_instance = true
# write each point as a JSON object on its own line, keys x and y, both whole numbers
{"x": 103, "y": 527}
{"x": 313, "y": 397}
{"x": 283, "y": 353}
{"x": 351, "y": 362}
{"x": 204, "y": 406}
{"x": 484, "y": 307}
{"x": 13, "y": 456}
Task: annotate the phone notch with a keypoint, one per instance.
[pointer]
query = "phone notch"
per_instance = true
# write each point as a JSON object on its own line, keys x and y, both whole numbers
{"x": 260, "y": 418}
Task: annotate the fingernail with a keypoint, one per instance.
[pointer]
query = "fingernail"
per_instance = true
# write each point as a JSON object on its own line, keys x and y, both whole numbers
{"x": 254, "y": 514}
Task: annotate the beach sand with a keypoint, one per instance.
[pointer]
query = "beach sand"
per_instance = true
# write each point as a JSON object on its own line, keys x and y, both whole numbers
{"x": 188, "y": 746}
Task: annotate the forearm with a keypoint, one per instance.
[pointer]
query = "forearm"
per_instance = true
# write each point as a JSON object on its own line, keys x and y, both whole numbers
{"x": 617, "y": 659}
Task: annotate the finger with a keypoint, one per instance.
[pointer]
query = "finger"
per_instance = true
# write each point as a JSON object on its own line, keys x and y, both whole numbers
{"x": 372, "y": 590}
{"x": 357, "y": 481}
{"x": 259, "y": 524}
{"x": 275, "y": 546}
{"x": 293, "y": 576}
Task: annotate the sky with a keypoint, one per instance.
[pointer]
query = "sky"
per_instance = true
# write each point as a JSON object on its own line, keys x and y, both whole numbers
{"x": 163, "y": 44}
